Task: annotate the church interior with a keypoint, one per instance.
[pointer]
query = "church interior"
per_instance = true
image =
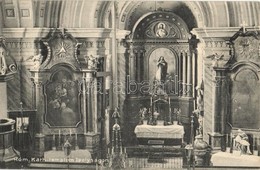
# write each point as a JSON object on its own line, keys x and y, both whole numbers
{"x": 129, "y": 84}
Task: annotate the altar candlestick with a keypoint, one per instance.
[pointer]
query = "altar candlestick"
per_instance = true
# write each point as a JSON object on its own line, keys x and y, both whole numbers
{"x": 121, "y": 150}
{"x": 59, "y": 134}
{"x": 76, "y": 137}
{"x": 124, "y": 149}
{"x": 70, "y": 132}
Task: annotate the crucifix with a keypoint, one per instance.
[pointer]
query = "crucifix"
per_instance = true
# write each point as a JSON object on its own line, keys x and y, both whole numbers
{"x": 63, "y": 31}
{"x": 244, "y": 26}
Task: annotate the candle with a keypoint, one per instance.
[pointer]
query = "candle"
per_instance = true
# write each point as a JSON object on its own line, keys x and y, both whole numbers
{"x": 76, "y": 137}
{"x": 124, "y": 149}
{"x": 53, "y": 137}
{"x": 70, "y": 132}
{"x": 59, "y": 133}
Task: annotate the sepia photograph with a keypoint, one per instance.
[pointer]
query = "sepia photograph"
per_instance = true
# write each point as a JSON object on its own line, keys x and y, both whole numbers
{"x": 129, "y": 84}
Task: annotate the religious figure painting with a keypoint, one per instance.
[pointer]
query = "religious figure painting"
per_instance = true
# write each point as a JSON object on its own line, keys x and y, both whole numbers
{"x": 245, "y": 99}
{"x": 62, "y": 101}
{"x": 162, "y": 69}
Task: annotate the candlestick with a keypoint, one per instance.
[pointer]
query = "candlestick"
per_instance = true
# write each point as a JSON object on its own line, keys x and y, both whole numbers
{"x": 59, "y": 133}
{"x": 76, "y": 137}
{"x": 121, "y": 151}
{"x": 70, "y": 132}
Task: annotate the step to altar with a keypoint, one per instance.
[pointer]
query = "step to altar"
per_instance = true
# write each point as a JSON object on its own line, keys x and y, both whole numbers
{"x": 57, "y": 159}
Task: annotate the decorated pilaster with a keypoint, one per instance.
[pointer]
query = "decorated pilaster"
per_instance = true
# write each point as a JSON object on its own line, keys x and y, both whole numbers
{"x": 215, "y": 55}
{"x": 91, "y": 136}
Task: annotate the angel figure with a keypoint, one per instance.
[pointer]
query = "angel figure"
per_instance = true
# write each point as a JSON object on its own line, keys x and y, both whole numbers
{"x": 36, "y": 59}
{"x": 215, "y": 58}
{"x": 92, "y": 61}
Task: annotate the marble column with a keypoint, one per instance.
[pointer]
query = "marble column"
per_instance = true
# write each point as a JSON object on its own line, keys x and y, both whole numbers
{"x": 184, "y": 74}
{"x": 39, "y": 146}
{"x": 194, "y": 75}
{"x": 89, "y": 99}
{"x": 180, "y": 92}
{"x": 189, "y": 75}
{"x": 132, "y": 67}
{"x": 140, "y": 54}
{"x": 216, "y": 138}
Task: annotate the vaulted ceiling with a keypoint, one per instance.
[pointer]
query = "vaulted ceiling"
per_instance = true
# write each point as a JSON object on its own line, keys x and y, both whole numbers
{"x": 97, "y": 14}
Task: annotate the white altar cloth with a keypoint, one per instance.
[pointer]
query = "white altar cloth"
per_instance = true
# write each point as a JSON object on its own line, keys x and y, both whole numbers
{"x": 235, "y": 159}
{"x": 167, "y": 132}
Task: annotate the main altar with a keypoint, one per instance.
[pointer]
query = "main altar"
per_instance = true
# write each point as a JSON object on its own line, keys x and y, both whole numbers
{"x": 171, "y": 134}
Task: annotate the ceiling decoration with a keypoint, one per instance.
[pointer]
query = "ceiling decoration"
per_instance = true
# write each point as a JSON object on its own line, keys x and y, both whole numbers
{"x": 160, "y": 25}
{"x": 82, "y": 14}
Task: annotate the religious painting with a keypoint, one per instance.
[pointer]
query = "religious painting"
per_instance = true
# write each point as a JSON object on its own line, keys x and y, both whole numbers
{"x": 245, "y": 100}
{"x": 162, "y": 67}
{"x": 62, "y": 104}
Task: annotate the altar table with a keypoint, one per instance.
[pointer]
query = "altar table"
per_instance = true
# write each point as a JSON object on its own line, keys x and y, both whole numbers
{"x": 167, "y": 133}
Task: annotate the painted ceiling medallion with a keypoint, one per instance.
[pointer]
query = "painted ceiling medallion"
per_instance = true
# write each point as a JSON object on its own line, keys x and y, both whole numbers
{"x": 161, "y": 30}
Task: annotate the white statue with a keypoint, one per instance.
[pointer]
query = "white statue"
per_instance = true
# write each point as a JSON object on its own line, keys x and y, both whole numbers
{"x": 92, "y": 61}
{"x": 3, "y": 66}
{"x": 36, "y": 59}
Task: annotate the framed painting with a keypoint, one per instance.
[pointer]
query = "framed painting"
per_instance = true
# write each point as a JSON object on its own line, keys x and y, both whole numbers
{"x": 62, "y": 100}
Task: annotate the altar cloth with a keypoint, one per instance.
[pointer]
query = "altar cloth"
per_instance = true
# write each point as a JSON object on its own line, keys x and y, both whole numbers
{"x": 235, "y": 159}
{"x": 167, "y": 132}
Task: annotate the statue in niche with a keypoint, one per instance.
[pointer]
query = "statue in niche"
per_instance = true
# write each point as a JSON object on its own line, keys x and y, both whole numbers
{"x": 161, "y": 30}
{"x": 92, "y": 61}
{"x": 161, "y": 72}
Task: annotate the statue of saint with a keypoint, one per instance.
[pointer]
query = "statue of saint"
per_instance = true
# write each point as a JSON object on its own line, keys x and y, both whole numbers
{"x": 242, "y": 142}
{"x": 162, "y": 70}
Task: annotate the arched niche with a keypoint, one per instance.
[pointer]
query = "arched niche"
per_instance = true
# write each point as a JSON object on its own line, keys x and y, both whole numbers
{"x": 62, "y": 99}
{"x": 245, "y": 99}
